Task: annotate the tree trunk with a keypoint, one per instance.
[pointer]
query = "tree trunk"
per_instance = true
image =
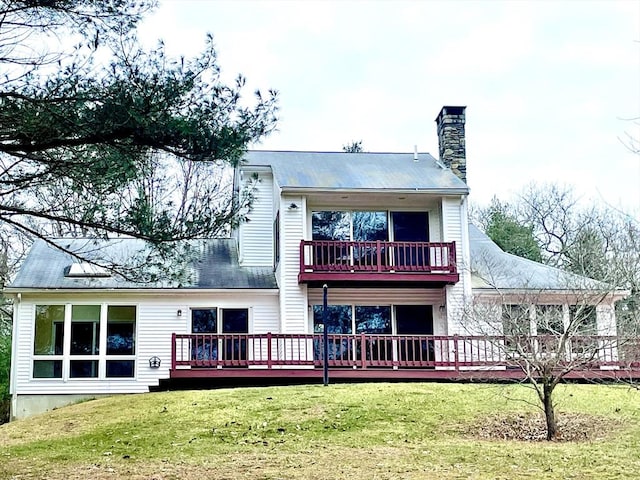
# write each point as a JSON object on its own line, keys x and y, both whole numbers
{"x": 549, "y": 413}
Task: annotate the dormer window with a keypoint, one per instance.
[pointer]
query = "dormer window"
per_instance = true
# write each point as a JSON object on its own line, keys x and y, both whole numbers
{"x": 86, "y": 270}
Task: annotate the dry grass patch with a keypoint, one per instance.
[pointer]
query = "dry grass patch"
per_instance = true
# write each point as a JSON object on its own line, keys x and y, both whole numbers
{"x": 531, "y": 427}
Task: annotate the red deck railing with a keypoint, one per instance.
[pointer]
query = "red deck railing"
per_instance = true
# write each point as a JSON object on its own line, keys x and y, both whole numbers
{"x": 396, "y": 351}
{"x": 377, "y": 257}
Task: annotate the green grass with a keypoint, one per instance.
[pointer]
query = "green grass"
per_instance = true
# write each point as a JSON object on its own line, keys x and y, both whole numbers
{"x": 371, "y": 431}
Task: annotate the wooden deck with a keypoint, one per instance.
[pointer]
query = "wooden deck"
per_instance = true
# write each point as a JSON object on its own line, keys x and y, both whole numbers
{"x": 276, "y": 358}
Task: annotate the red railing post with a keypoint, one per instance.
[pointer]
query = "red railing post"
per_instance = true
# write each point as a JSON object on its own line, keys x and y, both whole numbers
{"x": 363, "y": 350}
{"x": 269, "y": 358}
{"x": 302, "y": 265}
{"x": 379, "y": 255}
{"x": 456, "y": 358}
{"x": 173, "y": 351}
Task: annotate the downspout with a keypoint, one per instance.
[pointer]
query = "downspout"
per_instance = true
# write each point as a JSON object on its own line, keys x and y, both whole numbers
{"x": 17, "y": 300}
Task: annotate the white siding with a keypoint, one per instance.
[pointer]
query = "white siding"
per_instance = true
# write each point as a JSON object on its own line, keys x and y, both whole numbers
{"x": 24, "y": 345}
{"x": 157, "y": 319}
{"x": 435, "y": 225}
{"x": 293, "y": 296}
{"x": 256, "y": 235}
{"x": 378, "y": 296}
{"x": 455, "y": 229}
{"x": 156, "y": 323}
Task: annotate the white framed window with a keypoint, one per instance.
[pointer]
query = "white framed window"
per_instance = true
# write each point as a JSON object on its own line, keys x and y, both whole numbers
{"x": 84, "y": 341}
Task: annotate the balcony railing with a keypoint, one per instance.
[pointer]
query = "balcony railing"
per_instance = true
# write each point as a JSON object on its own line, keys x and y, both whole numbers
{"x": 395, "y": 351}
{"x": 377, "y": 258}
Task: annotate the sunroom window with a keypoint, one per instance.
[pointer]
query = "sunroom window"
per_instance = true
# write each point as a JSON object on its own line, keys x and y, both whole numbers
{"x": 92, "y": 342}
{"x": 48, "y": 341}
{"x": 121, "y": 341}
{"x": 85, "y": 341}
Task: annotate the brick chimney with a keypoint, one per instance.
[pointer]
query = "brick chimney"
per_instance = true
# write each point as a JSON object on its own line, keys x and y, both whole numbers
{"x": 451, "y": 140}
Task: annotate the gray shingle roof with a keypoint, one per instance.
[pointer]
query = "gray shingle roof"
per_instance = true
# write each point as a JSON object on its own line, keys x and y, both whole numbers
{"x": 493, "y": 268}
{"x": 215, "y": 266}
{"x": 357, "y": 171}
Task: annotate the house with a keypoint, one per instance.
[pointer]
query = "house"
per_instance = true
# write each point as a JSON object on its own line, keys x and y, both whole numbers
{"x": 386, "y": 233}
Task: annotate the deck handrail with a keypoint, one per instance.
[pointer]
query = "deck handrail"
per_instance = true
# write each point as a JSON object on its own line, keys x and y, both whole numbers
{"x": 377, "y": 256}
{"x": 362, "y": 351}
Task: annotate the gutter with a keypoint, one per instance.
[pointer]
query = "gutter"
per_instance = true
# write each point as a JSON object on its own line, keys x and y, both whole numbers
{"x": 144, "y": 291}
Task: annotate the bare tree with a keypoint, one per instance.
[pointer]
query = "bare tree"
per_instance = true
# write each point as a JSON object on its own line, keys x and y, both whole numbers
{"x": 548, "y": 324}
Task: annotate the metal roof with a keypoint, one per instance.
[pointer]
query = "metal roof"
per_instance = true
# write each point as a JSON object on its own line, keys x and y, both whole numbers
{"x": 215, "y": 266}
{"x": 493, "y": 268}
{"x": 357, "y": 171}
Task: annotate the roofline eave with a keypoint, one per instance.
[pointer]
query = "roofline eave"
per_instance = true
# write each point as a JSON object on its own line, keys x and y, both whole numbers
{"x": 437, "y": 191}
{"x": 617, "y": 294}
{"x": 143, "y": 291}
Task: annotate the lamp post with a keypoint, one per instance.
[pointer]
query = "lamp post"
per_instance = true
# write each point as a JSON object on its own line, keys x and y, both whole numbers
{"x": 325, "y": 336}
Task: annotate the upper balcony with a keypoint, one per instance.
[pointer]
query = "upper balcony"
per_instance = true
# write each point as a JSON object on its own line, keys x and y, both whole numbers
{"x": 377, "y": 263}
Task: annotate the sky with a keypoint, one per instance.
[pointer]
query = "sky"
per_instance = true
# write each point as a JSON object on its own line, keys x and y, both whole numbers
{"x": 551, "y": 87}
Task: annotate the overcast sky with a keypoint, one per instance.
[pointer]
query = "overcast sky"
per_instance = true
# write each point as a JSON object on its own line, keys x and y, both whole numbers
{"x": 549, "y": 86}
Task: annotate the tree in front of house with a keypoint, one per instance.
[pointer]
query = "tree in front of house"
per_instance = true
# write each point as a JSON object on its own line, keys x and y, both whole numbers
{"x": 100, "y": 137}
{"x": 106, "y": 137}
{"x": 547, "y": 341}
{"x": 550, "y": 339}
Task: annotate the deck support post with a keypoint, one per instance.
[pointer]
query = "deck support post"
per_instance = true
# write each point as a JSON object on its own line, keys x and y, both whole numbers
{"x": 325, "y": 337}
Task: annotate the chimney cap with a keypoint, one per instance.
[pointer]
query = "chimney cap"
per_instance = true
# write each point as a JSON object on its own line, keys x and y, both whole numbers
{"x": 451, "y": 110}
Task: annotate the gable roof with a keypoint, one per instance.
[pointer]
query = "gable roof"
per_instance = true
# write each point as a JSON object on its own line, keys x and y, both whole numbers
{"x": 214, "y": 266}
{"x": 357, "y": 171}
{"x": 494, "y": 269}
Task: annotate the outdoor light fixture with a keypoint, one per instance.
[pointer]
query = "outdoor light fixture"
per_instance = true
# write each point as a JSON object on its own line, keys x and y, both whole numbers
{"x": 179, "y": 312}
{"x": 154, "y": 362}
{"x": 293, "y": 206}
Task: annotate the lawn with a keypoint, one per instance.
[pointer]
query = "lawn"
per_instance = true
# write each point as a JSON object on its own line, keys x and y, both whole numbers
{"x": 369, "y": 431}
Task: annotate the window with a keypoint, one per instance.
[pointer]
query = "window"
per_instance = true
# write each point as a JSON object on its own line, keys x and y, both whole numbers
{"x": 549, "y": 319}
{"x": 338, "y": 319}
{"x": 516, "y": 321}
{"x": 79, "y": 348}
{"x": 374, "y": 320}
{"x": 276, "y": 240}
{"x": 48, "y": 341}
{"x": 338, "y": 322}
{"x": 330, "y": 225}
{"x": 369, "y": 227}
{"x": 234, "y": 321}
{"x": 583, "y": 319}
{"x": 85, "y": 338}
{"x": 121, "y": 341}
